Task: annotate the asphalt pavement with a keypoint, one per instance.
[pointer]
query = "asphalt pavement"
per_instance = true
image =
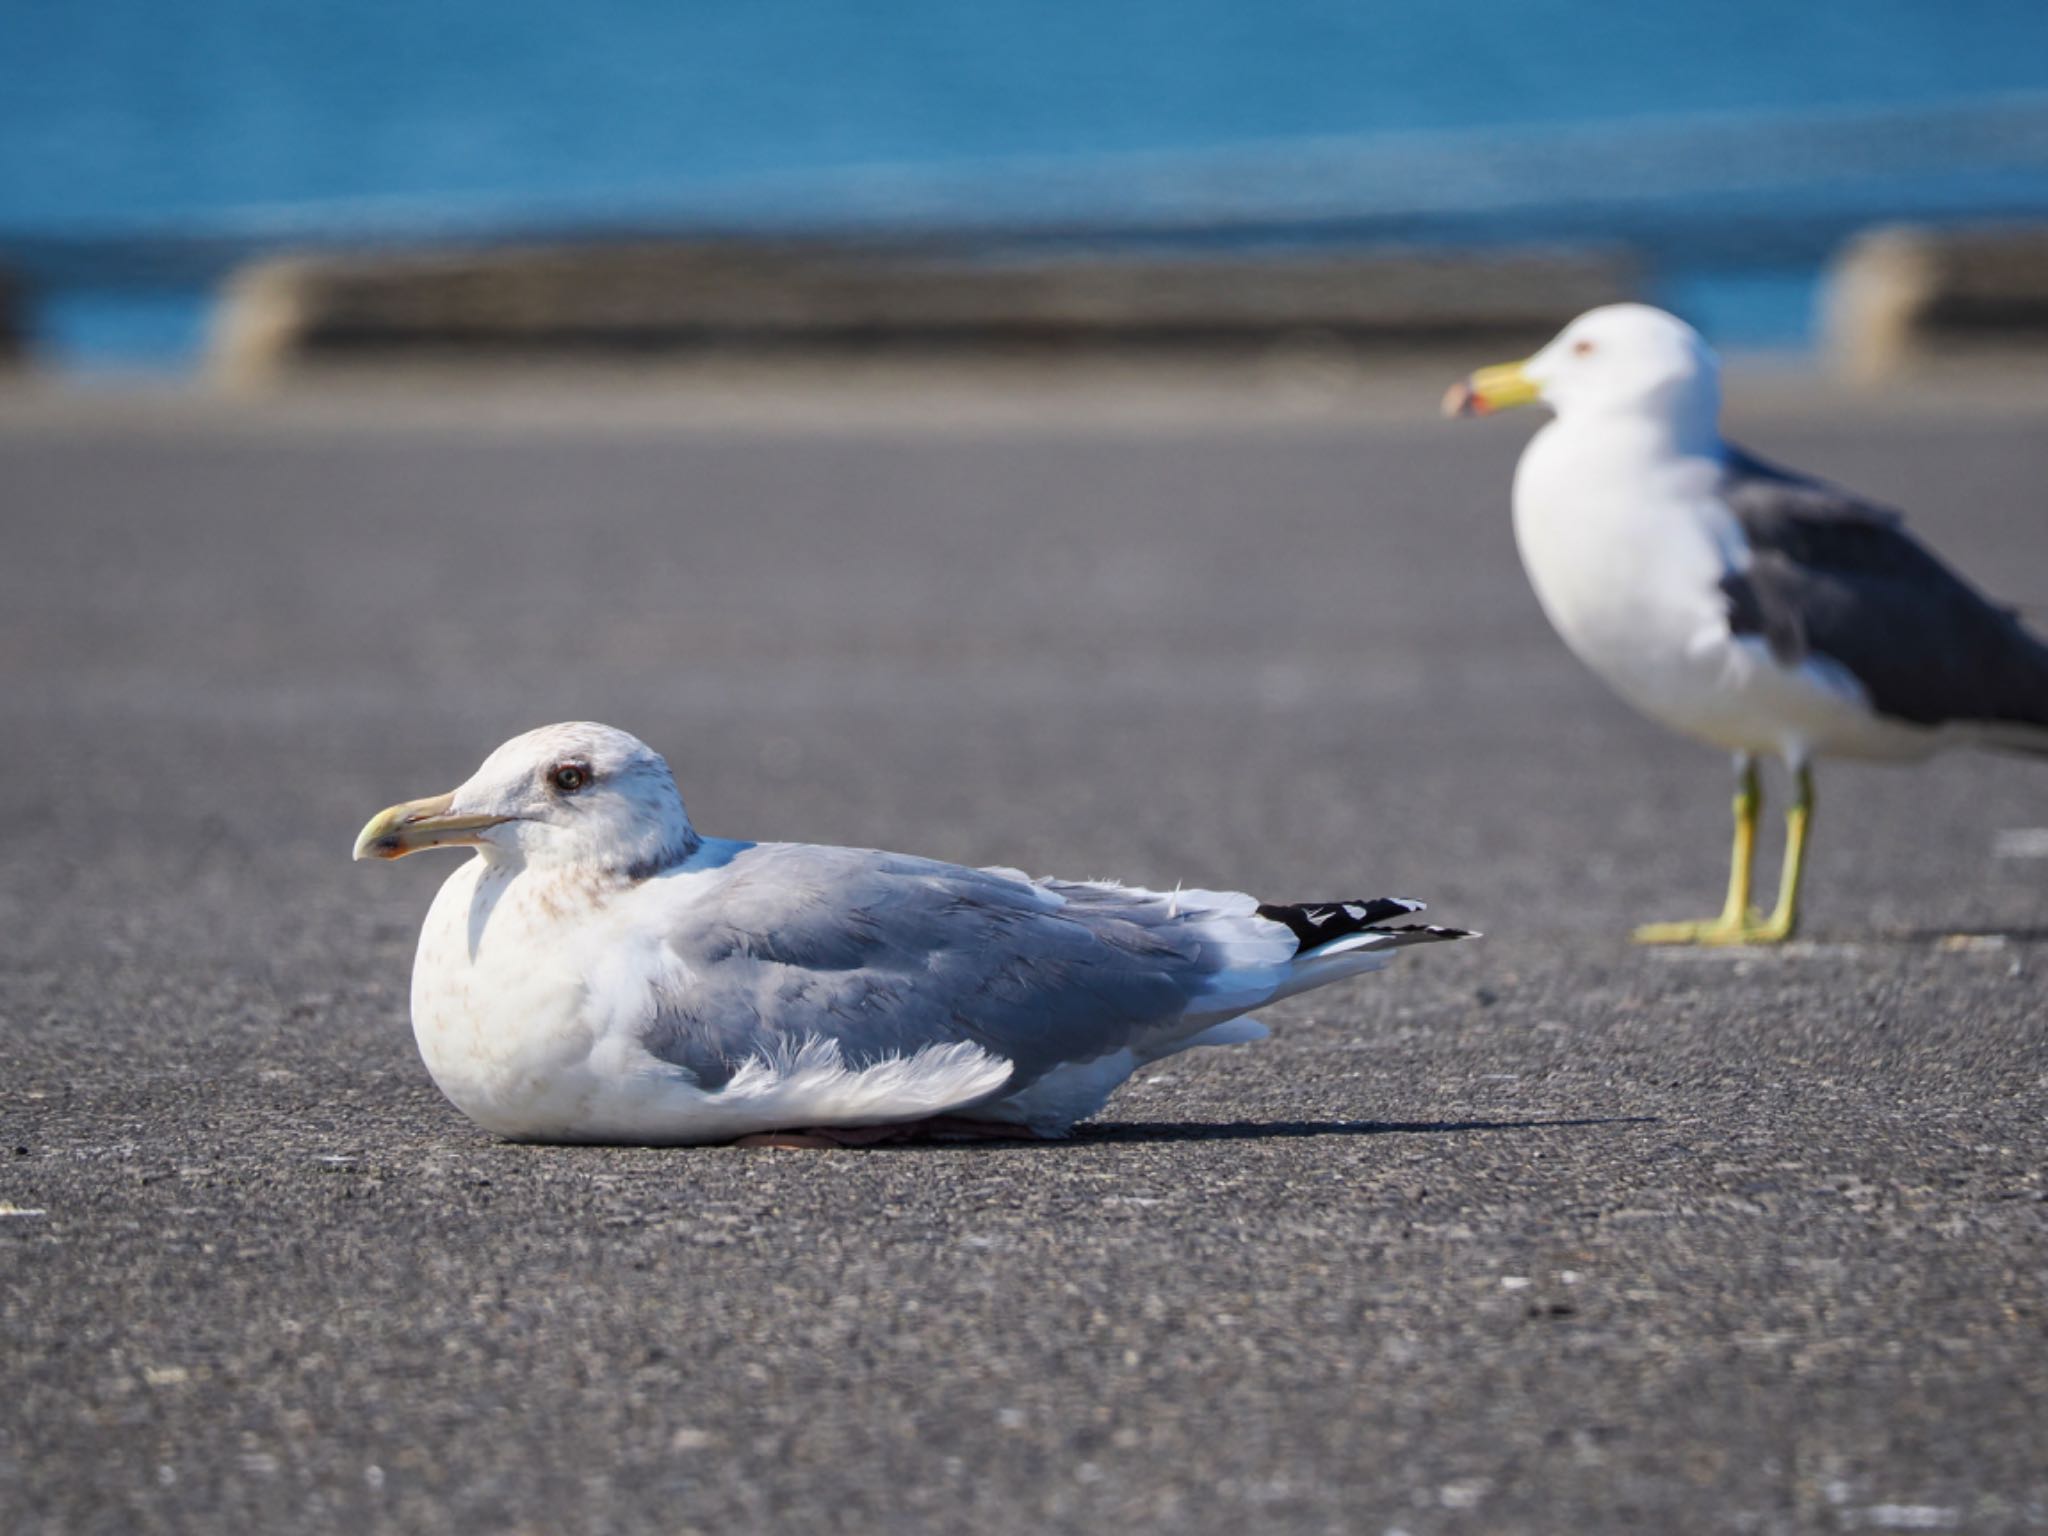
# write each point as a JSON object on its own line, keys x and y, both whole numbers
{"x": 1541, "y": 1233}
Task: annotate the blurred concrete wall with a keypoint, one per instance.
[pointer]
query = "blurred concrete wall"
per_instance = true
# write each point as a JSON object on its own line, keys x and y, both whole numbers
{"x": 655, "y": 299}
{"x": 13, "y": 322}
{"x": 1901, "y": 299}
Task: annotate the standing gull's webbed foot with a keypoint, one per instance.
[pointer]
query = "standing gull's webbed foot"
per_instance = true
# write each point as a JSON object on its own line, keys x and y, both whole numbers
{"x": 1752, "y": 928}
{"x": 1706, "y": 930}
{"x": 1739, "y": 922}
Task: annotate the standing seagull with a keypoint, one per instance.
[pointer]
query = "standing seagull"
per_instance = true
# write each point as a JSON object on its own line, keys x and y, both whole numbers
{"x": 602, "y": 972}
{"x": 1750, "y": 607}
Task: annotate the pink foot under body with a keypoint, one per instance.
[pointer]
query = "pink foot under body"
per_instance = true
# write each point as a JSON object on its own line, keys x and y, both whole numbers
{"x": 937, "y": 1128}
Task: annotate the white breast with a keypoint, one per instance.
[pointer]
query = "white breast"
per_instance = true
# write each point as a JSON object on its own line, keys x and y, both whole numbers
{"x": 497, "y": 1010}
{"x": 1626, "y": 559}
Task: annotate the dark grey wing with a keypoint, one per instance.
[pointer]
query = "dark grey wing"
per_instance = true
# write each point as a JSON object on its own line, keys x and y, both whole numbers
{"x": 1836, "y": 577}
{"x": 885, "y": 955}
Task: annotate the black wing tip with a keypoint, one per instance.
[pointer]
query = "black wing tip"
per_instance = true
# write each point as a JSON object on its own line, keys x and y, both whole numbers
{"x": 1316, "y": 923}
{"x": 1432, "y": 931}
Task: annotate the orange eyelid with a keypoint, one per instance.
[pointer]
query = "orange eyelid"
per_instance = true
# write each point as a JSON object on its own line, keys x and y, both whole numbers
{"x": 1582, "y": 347}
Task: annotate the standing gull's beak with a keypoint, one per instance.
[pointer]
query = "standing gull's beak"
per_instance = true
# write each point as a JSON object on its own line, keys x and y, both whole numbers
{"x": 1490, "y": 390}
{"x": 420, "y": 824}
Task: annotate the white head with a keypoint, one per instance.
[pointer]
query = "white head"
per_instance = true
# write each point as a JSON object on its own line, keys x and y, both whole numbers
{"x": 577, "y": 795}
{"x": 1622, "y": 360}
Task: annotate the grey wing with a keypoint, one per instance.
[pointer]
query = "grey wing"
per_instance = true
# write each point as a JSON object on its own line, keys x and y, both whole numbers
{"x": 885, "y": 954}
{"x": 1835, "y": 577}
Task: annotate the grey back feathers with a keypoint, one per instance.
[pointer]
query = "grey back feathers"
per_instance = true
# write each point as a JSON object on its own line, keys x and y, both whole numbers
{"x": 1835, "y": 577}
{"x": 886, "y": 954}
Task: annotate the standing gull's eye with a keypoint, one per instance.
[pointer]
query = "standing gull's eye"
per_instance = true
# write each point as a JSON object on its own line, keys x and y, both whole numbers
{"x": 1582, "y": 347}
{"x": 569, "y": 777}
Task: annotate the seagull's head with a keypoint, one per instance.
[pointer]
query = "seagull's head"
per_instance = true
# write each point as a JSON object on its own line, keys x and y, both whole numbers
{"x": 1618, "y": 360}
{"x": 577, "y": 795}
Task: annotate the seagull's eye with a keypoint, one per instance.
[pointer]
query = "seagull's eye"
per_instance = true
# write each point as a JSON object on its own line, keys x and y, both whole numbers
{"x": 1581, "y": 348}
{"x": 569, "y": 777}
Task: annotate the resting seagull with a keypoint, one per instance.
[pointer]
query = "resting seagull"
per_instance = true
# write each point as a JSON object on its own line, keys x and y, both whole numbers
{"x": 1750, "y": 607}
{"x": 600, "y": 971}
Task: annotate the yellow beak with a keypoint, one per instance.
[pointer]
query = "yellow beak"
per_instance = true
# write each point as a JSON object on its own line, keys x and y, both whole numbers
{"x": 419, "y": 824}
{"x": 1490, "y": 390}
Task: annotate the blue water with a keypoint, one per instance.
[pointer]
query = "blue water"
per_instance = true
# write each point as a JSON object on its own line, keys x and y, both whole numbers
{"x": 131, "y": 129}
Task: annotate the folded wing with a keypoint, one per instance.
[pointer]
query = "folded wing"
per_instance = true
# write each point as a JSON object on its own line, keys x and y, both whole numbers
{"x": 884, "y": 955}
{"x": 1834, "y": 577}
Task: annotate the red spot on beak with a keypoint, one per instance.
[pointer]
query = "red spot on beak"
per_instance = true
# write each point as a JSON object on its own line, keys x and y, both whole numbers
{"x": 1462, "y": 400}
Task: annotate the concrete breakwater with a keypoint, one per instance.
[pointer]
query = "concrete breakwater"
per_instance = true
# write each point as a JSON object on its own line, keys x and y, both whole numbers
{"x": 584, "y": 302}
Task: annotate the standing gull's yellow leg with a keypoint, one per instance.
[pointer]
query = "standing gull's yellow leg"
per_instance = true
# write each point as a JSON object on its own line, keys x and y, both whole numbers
{"x": 1736, "y": 920}
{"x": 1781, "y": 924}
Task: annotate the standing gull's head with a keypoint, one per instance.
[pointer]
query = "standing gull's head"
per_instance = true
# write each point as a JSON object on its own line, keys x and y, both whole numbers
{"x": 577, "y": 795}
{"x": 1622, "y": 360}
